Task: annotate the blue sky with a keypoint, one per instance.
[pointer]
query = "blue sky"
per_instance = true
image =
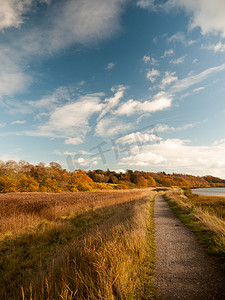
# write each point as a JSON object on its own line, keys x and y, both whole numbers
{"x": 116, "y": 84}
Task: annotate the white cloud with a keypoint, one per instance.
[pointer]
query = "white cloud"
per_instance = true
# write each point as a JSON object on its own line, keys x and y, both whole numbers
{"x": 142, "y": 160}
{"x": 168, "y": 79}
{"x": 189, "y": 81}
{"x": 177, "y": 155}
{"x": 151, "y": 75}
{"x": 178, "y": 61}
{"x": 12, "y": 11}
{"x": 146, "y": 58}
{"x": 74, "y": 141}
{"x": 146, "y": 4}
{"x": 206, "y": 14}
{"x": 199, "y": 89}
{"x": 72, "y": 119}
{"x": 119, "y": 171}
{"x": 75, "y": 22}
{"x": 219, "y": 47}
{"x": 46, "y": 103}
{"x": 177, "y": 37}
{"x": 13, "y": 78}
{"x": 165, "y": 128}
{"x": 110, "y": 66}
{"x": 167, "y": 53}
{"x": 59, "y": 95}
{"x": 111, "y": 126}
{"x": 154, "y": 61}
{"x": 112, "y": 102}
{"x": 160, "y": 101}
{"x": 18, "y": 122}
{"x": 139, "y": 138}
{"x": 81, "y": 152}
{"x": 2, "y": 125}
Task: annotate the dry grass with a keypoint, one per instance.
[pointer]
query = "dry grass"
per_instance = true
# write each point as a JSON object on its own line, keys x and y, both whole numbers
{"x": 21, "y": 210}
{"x": 177, "y": 196}
{"x": 210, "y": 220}
{"x": 113, "y": 266}
{"x": 94, "y": 245}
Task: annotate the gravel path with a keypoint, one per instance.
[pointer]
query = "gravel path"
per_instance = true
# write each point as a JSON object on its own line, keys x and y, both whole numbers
{"x": 183, "y": 269}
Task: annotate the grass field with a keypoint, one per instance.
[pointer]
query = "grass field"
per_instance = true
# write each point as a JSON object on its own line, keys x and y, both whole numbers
{"x": 92, "y": 245}
{"x": 205, "y": 215}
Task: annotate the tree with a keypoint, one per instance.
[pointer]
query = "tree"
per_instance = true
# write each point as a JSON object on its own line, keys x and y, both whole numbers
{"x": 151, "y": 181}
{"x": 7, "y": 184}
{"x": 55, "y": 165}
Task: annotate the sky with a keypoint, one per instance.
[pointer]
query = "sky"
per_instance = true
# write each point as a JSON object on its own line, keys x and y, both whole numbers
{"x": 118, "y": 84}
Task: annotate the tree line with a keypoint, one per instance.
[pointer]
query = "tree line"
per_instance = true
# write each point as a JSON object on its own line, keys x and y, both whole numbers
{"x": 25, "y": 177}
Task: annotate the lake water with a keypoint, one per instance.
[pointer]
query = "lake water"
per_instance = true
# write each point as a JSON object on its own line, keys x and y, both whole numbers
{"x": 209, "y": 191}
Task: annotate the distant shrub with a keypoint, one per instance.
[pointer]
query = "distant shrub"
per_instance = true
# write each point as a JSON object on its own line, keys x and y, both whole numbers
{"x": 187, "y": 192}
{"x": 43, "y": 189}
{"x": 83, "y": 187}
{"x": 101, "y": 186}
{"x": 122, "y": 186}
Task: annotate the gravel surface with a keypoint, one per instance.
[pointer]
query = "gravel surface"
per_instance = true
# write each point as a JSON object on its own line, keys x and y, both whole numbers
{"x": 183, "y": 269}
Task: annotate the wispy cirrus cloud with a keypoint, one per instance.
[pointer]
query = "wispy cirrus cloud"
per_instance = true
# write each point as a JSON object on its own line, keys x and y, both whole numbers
{"x": 177, "y": 61}
{"x": 189, "y": 81}
{"x": 18, "y": 122}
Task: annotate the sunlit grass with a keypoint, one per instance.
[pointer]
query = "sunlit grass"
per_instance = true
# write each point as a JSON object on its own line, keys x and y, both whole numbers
{"x": 101, "y": 247}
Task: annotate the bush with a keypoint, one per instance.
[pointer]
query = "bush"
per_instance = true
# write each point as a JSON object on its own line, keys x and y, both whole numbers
{"x": 83, "y": 187}
{"x": 101, "y": 186}
{"x": 7, "y": 184}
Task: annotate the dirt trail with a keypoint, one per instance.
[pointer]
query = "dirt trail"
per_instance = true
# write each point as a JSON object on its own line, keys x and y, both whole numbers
{"x": 183, "y": 269}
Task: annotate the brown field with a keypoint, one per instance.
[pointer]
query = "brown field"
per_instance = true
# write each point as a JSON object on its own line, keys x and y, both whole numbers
{"x": 86, "y": 245}
{"x": 21, "y": 210}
